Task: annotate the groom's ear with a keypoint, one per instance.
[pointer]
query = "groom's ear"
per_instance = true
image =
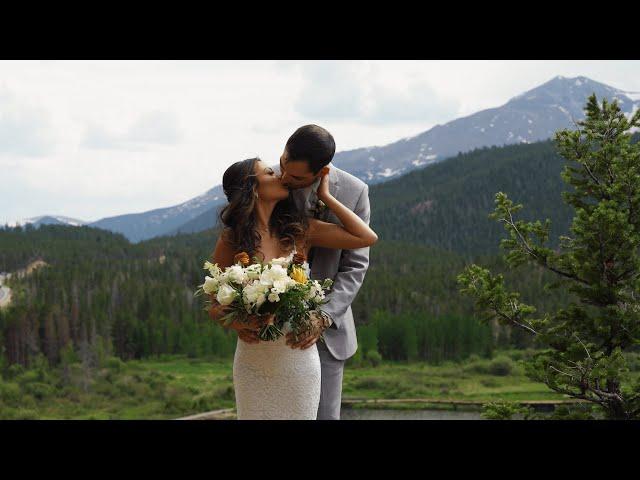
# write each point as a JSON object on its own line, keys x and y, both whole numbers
{"x": 324, "y": 171}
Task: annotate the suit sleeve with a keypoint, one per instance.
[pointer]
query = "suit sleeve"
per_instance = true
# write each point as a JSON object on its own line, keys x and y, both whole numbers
{"x": 351, "y": 271}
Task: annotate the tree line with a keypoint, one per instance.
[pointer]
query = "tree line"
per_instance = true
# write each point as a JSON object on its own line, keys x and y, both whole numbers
{"x": 100, "y": 293}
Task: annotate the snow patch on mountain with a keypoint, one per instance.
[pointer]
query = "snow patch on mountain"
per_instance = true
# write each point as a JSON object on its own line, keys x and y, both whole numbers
{"x": 389, "y": 172}
{"x": 48, "y": 219}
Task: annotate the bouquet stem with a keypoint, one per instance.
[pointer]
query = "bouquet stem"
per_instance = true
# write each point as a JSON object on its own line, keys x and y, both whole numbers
{"x": 270, "y": 333}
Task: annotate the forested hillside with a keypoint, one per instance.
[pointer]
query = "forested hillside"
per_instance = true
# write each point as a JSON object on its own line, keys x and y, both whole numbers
{"x": 447, "y": 205}
{"x": 101, "y": 295}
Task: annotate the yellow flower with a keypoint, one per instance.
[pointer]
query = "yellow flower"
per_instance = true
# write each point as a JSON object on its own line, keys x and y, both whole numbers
{"x": 298, "y": 274}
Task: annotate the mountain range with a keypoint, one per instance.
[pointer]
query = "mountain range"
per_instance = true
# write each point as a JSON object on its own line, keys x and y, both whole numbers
{"x": 527, "y": 118}
{"x": 50, "y": 220}
{"x": 530, "y": 117}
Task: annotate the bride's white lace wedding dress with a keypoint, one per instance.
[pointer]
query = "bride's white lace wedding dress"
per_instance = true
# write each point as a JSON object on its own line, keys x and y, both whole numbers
{"x": 274, "y": 381}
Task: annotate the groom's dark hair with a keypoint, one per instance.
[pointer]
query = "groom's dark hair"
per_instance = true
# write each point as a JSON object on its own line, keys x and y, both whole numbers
{"x": 313, "y": 144}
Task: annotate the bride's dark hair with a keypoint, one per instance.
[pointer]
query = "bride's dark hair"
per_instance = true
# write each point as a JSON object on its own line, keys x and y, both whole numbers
{"x": 239, "y": 218}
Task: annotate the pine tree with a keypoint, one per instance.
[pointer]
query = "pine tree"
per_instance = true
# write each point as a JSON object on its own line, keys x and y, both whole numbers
{"x": 599, "y": 264}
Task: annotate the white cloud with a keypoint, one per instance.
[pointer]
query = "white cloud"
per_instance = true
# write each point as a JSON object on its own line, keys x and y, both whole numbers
{"x": 24, "y": 129}
{"x": 370, "y": 93}
{"x": 331, "y": 90}
{"x": 169, "y": 129}
{"x": 151, "y": 128}
{"x": 417, "y": 103}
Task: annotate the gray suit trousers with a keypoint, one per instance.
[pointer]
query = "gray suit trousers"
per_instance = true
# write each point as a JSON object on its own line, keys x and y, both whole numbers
{"x": 331, "y": 386}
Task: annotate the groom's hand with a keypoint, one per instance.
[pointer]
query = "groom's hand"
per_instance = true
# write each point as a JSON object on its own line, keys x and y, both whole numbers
{"x": 307, "y": 339}
{"x": 303, "y": 342}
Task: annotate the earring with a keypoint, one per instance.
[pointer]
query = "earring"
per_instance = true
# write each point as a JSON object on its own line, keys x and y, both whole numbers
{"x": 255, "y": 194}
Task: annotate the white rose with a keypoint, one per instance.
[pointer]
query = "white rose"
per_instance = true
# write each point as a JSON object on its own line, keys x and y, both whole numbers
{"x": 210, "y": 285}
{"x": 254, "y": 294}
{"x": 271, "y": 275}
{"x": 226, "y": 295}
{"x": 273, "y": 297}
{"x": 236, "y": 274}
{"x": 281, "y": 261}
{"x": 281, "y": 285}
{"x": 261, "y": 299}
{"x": 253, "y": 271}
{"x": 249, "y": 294}
{"x": 253, "y": 290}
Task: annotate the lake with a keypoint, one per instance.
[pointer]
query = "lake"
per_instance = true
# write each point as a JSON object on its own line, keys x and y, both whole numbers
{"x": 375, "y": 414}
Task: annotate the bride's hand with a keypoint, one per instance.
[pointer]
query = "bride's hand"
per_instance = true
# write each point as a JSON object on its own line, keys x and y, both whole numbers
{"x": 248, "y": 331}
{"x": 253, "y": 323}
{"x": 217, "y": 311}
{"x": 323, "y": 188}
{"x": 248, "y": 336}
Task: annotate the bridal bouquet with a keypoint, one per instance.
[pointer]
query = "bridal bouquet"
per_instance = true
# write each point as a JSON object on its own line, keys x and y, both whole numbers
{"x": 280, "y": 289}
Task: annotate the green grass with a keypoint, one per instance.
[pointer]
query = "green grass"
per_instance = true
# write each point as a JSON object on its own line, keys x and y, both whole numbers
{"x": 447, "y": 381}
{"x": 176, "y": 386}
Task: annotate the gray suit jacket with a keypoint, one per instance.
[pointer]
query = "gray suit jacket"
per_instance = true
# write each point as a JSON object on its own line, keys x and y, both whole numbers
{"x": 347, "y": 268}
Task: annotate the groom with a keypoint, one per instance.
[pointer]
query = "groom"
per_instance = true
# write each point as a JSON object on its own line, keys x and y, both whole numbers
{"x": 305, "y": 160}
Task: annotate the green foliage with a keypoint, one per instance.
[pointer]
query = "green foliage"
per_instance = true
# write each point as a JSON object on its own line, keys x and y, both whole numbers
{"x": 14, "y": 371}
{"x": 586, "y": 340}
{"x": 503, "y": 410}
{"x": 501, "y": 366}
{"x": 23, "y": 414}
{"x": 633, "y": 361}
{"x": 115, "y": 364}
{"x": 368, "y": 339}
{"x": 10, "y": 393}
{"x": 412, "y": 336}
{"x": 477, "y": 365}
{"x": 373, "y": 357}
{"x": 39, "y": 390}
{"x": 68, "y": 355}
{"x": 574, "y": 412}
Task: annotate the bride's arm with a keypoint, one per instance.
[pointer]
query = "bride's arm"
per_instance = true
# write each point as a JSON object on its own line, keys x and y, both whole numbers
{"x": 354, "y": 232}
{"x": 223, "y": 253}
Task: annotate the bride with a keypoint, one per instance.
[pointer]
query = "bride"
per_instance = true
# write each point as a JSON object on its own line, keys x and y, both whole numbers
{"x": 271, "y": 379}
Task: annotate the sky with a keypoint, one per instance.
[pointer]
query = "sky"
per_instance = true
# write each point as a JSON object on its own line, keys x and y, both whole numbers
{"x": 94, "y": 139}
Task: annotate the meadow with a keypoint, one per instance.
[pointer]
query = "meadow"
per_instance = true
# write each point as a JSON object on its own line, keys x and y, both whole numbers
{"x": 169, "y": 387}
